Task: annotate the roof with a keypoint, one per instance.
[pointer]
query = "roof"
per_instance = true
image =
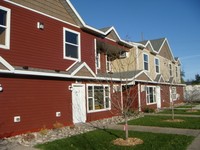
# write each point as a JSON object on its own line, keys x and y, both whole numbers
{"x": 157, "y": 43}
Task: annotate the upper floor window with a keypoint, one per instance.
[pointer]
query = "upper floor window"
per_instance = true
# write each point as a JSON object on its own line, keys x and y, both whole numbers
{"x": 176, "y": 71}
{"x": 150, "y": 94}
{"x": 71, "y": 44}
{"x": 108, "y": 64}
{"x": 146, "y": 62}
{"x": 4, "y": 27}
{"x": 98, "y": 57}
{"x": 157, "y": 65}
{"x": 170, "y": 70}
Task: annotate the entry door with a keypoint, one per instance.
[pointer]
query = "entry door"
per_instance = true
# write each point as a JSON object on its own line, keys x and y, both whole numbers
{"x": 158, "y": 99}
{"x": 78, "y": 103}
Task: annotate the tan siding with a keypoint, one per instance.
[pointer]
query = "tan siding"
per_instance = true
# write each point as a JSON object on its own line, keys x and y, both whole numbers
{"x": 84, "y": 72}
{"x": 2, "y": 67}
{"x": 51, "y": 7}
{"x": 165, "y": 52}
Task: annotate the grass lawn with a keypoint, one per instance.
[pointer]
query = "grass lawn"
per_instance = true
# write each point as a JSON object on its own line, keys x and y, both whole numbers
{"x": 179, "y": 111}
{"x": 189, "y": 122}
{"x": 102, "y": 140}
{"x": 188, "y": 105}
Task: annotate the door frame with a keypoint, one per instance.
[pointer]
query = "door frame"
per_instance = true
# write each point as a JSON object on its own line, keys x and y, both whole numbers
{"x": 82, "y": 99}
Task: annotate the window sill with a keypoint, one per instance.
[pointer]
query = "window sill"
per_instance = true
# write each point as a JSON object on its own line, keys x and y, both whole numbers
{"x": 94, "y": 111}
{"x": 152, "y": 103}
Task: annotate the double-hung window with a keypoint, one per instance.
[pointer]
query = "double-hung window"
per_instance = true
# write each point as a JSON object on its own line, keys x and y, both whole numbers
{"x": 173, "y": 93}
{"x": 151, "y": 94}
{"x": 71, "y": 44}
{"x": 108, "y": 64}
{"x": 157, "y": 65}
{"x": 4, "y": 27}
{"x": 170, "y": 70}
{"x": 146, "y": 62}
{"x": 98, "y": 97}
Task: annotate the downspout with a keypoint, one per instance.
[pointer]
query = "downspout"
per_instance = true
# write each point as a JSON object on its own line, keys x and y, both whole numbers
{"x": 139, "y": 100}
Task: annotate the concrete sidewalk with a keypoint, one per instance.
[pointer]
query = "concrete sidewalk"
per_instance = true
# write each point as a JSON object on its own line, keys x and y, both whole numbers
{"x": 176, "y": 115}
{"x": 190, "y": 132}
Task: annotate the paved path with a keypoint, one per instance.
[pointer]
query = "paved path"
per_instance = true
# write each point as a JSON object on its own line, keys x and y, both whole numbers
{"x": 195, "y": 145}
{"x": 176, "y": 115}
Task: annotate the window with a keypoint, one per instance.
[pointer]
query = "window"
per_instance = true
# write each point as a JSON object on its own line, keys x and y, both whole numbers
{"x": 146, "y": 62}
{"x": 170, "y": 70}
{"x": 71, "y": 44}
{"x": 108, "y": 64}
{"x": 151, "y": 95}
{"x": 4, "y": 27}
{"x": 157, "y": 65}
{"x": 176, "y": 71}
{"x": 98, "y": 97}
{"x": 173, "y": 93}
{"x": 98, "y": 57}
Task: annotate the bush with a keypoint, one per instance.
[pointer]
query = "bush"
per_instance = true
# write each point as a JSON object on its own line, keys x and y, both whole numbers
{"x": 149, "y": 110}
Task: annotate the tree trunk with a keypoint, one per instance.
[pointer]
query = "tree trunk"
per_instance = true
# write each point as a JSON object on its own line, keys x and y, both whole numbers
{"x": 126, "y": 126}
{"x": 172, "y": 110}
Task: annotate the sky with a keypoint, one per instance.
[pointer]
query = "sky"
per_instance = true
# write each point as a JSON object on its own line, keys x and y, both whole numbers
{"x": 137, "y": 20}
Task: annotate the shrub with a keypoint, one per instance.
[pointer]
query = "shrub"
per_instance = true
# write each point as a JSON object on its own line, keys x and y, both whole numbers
{"x": 149, "y": 110}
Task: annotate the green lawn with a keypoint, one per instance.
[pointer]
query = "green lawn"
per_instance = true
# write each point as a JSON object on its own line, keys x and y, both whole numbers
{"x": 188, "y": 105}
{"x": 102, "y": 140}
{"x": 180, "y": 111}
{"x": 189, "y": 122}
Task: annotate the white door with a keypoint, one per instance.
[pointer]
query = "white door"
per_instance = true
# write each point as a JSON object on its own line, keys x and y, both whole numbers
{"x": 78, "y": 103}
{"x": 158, "y": 99}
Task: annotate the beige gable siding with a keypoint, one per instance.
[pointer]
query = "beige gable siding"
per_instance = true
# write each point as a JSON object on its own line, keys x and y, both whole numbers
{"x": 165, "y": 52}
{"x": 2, "y": 67}
{"x": 143, "y": 77}
{"x": 50, "y": 7}
{"x": 112, "y": 36}
{"x": 84, "y": 72}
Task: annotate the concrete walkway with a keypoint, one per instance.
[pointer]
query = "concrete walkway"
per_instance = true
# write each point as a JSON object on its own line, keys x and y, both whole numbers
{"x": 176, "y": 115}
{"x": 190, "y": 132}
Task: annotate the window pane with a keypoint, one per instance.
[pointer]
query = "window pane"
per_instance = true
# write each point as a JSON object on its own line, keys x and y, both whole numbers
{"x": 71, "y": 37}
{"x": 146, "y": 66}
{"x": 107, "y": 102}
{"x": 106, "y": 91}
{"x": 71, "y": 51}
{"x": 90, "y": 103}
{"x": 99, "y": 97}
{"x": 145, "y": 57}
{"x": 3, "y": 17}
{"x": 2, "y": 36}
{"x": 90, "y": 91}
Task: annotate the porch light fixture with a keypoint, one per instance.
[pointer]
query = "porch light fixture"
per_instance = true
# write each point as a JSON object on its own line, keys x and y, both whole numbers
{"x": 40, "y": 25}
{"x": 1, "y": 88}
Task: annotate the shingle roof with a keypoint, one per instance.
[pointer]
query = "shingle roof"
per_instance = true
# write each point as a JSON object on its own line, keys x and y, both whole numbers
{"x": 157, "y": 43}
{"x": 121, "y": 75}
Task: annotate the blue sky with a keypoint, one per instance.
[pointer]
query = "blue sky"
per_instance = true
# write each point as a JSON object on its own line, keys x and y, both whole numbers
{"x": 134, "y": 20}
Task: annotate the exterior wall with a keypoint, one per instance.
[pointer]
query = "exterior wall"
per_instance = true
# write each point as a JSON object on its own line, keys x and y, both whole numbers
{"x": 126, "y": 64}
{"x": 36, "y": 48}
{"x": 52, "y": 8}
{"x": 36, "y": 100}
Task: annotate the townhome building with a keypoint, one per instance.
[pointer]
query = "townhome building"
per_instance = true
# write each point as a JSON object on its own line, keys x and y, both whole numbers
{"x": 156, "y": 74}
{"x": 51, "y": 66}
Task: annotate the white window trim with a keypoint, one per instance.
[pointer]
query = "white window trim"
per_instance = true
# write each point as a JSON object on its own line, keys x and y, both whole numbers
{"x": 153, "y": 94}
{"x": 147, "y": 62}
{"x": 79, "y": 45}
{"x": 156, "y": 65}
{"x": 99, "y": 110}
{"x": 173, "y": 99}
{"x": 7, "y": 38}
